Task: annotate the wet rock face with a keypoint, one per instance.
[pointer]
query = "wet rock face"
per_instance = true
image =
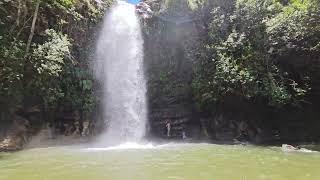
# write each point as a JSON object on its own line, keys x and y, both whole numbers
{"x": 177, "y": 115}
{"x": 144, "y": 10}
{"x": 168, "y": 69}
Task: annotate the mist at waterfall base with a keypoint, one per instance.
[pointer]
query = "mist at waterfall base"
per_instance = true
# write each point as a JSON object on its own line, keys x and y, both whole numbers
{"x": 118, "y": 67}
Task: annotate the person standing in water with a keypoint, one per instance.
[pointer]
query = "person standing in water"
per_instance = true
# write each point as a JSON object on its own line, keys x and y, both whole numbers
{"x": 168, "y": 127}
{"x": 183, "y": 133}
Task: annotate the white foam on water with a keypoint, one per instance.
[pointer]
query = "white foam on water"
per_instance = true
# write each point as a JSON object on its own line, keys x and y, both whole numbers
{"x": 124, "y": 146}
{"x": 147, "y": 146}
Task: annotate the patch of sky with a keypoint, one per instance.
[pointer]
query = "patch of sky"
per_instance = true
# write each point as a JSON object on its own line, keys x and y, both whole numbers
{"x": 133, "y": 1}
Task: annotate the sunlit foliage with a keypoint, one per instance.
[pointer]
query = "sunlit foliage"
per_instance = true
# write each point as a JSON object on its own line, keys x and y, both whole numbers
{"x": 244, "y": 45}
{"x": 54, "y": 73}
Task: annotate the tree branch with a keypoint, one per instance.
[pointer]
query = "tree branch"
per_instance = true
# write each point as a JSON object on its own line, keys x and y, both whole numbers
{"x": 35, "y": 15}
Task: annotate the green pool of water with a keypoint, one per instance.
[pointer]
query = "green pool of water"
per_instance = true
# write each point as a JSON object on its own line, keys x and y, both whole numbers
{"x": 184, "y": 161}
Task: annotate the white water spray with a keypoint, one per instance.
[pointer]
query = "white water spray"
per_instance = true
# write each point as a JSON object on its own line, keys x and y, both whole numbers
{"x": 119, "y": 69}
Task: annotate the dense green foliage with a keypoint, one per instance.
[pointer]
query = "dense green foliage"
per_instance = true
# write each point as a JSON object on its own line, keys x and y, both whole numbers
{"x": 44, "y": 63}
{"x": 244, "y": 50}
{"x": 260, "y": 51}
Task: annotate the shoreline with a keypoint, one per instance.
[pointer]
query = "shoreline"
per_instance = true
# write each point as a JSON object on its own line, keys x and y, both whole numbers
{"x": 61, "y": 140}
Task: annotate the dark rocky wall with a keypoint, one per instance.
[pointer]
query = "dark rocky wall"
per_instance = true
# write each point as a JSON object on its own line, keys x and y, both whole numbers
{"x": 169, "y": 74}
{"x": 170, "y": 69}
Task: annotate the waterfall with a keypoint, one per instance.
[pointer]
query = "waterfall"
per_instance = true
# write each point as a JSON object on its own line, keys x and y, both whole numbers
{"x": 118, "y": 67}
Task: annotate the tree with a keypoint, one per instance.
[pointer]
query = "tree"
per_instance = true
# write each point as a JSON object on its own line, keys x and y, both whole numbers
{"x": 245, "y": 45}
{"x": 43, "y": 44}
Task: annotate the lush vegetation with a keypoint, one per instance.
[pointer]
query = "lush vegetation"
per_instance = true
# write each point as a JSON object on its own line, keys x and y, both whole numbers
{"x": 251, "y": 50}
{"x": 44, "y": 46}
{"x": 263, "y": 52}
{"x": 236, "y": 64}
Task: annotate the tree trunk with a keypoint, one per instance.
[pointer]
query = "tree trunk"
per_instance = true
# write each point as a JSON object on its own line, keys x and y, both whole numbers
{"x": 19, "y": 13}
{"x": 25, "y": 76}
{"x": 35, "y": 16}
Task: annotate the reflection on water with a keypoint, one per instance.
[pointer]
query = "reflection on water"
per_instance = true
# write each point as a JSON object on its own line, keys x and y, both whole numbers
{"x": 171, "y": 161}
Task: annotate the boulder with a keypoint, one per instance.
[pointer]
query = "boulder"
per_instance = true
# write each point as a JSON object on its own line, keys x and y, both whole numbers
{"x": 18, "y": 135}
{"x": 12, "y": 143}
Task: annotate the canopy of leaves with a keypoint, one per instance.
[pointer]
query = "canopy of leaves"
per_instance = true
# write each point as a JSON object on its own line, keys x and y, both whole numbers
{"x": 244, "y": 45}
{"x": 55, "y": 71}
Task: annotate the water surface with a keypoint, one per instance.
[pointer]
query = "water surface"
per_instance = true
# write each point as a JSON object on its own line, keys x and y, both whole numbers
{"x": 184, "y": 161}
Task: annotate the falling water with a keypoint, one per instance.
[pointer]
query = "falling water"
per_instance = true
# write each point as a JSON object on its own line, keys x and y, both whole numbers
{"x": 119, "y": 69}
